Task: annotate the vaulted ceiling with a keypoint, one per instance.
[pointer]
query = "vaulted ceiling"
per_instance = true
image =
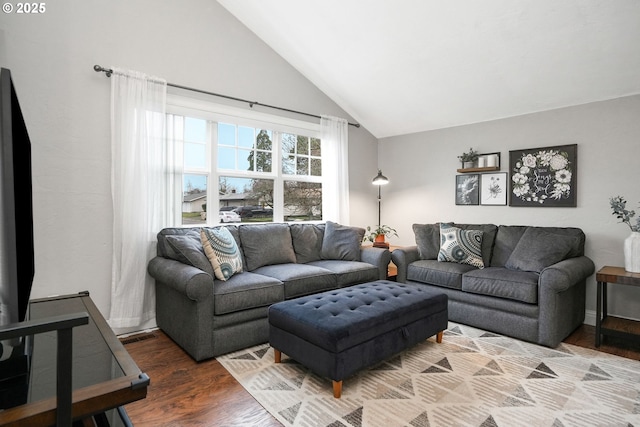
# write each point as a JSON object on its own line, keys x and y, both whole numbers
{"x": 404, "y": 66}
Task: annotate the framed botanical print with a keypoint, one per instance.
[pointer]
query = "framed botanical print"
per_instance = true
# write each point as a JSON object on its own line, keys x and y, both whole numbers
{"x": 493, "y": 189}
{"x": 467, "y": 189}
{"x": 544, "y": 177}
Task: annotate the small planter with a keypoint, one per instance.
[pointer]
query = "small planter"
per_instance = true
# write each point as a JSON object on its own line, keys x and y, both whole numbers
{"x": 379, "y": 241}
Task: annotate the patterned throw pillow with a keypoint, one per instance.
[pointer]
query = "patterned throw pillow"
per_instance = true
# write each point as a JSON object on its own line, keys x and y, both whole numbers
{"x": 222, "y": 251}
{"x": 461, "y": 246}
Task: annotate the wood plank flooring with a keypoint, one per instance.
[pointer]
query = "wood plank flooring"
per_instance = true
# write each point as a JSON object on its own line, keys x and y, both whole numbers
{"x": 185, "y": 393}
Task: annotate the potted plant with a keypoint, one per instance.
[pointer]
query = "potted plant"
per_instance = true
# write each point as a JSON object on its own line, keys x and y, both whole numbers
{"x": 377, "y": 235}
{"x": 468, "y": 158}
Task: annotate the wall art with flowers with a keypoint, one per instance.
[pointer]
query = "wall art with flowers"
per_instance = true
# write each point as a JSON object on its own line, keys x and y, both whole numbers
{"x": 545, "y": 176}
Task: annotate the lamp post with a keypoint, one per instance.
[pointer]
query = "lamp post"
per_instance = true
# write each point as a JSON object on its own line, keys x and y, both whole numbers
{"x": 379, "y": 180}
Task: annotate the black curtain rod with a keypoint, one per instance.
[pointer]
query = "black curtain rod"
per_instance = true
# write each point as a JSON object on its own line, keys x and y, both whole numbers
{"x": 108, "y": 73}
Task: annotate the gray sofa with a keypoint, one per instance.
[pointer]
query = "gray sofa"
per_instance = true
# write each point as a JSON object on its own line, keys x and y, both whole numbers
{"x": 531, "y": 286}
{"x": 208, "y": 317}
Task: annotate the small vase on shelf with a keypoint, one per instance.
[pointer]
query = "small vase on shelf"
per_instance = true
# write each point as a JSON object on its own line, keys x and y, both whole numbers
{"x": 632, "y": 252}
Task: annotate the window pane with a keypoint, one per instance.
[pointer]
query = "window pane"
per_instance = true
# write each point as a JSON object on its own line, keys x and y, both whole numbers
{"x": 316, "y": 167}
{"x": 288, "y": 143}
{"x": 246, "y": 137}
{"x": 303, "y": 145}
{"x": 245, "y": 160}
{"x": 302, "y": 166}
{"x": 263, "y": 163}
{"x": 315, "y": 147}
{"x": 252, "y": 199}
{"x": 226, "y": 158}
{"x": 264, "y": 140}
{"x": 195, "y": 155}
{"x": 226, "y": 134}
{"x": 288, "y": 165}
{"x": 195, "y": 130}
{"x": 194, "y": 198}
{"x": 302, "y": 201}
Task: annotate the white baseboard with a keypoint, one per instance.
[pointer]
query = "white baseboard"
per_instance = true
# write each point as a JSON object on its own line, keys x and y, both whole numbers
{"x": 590, "y": 317}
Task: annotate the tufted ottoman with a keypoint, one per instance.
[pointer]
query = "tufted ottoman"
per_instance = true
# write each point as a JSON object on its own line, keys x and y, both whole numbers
{"x": 337, "y": 333}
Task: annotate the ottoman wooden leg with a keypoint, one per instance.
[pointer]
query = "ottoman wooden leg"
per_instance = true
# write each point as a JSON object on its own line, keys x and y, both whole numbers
{"x": 439, "y": 337}
{"x": 337, "y": 389}
{"x": 278, "y": 355}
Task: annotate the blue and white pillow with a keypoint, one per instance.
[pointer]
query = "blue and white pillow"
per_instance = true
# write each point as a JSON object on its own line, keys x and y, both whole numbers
{"x": 461, "y": 246}
{"x": 222, "y": 251}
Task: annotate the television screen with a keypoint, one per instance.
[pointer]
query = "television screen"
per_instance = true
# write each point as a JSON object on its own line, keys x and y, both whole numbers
{"x": 16, "y": 233}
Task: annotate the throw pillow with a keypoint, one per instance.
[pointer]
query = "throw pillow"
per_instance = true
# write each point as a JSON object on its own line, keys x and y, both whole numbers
{"x": 461, "y": 246}
{"x": 222, "y": 251}
{"x": 187, "y": 248}
{"x": 427, "y": 240}
{"x": 307, "y": 241}
{"x": 266, "y": 244}
{"x": 538, "y": 249}
{"x": 341, "y": 242}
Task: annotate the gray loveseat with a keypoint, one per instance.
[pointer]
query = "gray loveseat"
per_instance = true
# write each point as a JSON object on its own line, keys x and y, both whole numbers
{"x": 531, "y": 286}
{"x": 208, "y": 317}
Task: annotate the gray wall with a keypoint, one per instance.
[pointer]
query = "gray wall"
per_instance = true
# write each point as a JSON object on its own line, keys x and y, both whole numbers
{"x": 194, "y": 43}
{"x": 422, "y": 169}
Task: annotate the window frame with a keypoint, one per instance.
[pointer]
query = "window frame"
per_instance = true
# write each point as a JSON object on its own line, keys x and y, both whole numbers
{"x": 214, "y": 113}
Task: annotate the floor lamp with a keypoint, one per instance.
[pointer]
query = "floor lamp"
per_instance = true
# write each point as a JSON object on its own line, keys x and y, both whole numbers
{"x": 380, "y": 180}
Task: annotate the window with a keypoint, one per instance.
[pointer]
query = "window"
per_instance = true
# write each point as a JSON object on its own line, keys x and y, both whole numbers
{"x": 263, "y": 168}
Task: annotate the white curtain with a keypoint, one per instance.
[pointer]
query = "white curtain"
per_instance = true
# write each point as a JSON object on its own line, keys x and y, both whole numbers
{"x": 335, "y": 169}
{"x": 139, "y": 157}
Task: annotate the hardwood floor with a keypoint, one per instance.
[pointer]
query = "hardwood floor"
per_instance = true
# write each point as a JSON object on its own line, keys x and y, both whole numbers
{"x": 186, "y": 393}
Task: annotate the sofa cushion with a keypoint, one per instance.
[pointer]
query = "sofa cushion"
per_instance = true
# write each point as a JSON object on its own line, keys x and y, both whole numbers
{"x": 502, "y": 283}
{"x": 341, "y": 242}
{"x": 307, "y": 241}
{"x": 300, "y": 279}
{"x": 447, "y": 274}
{"x": 266, "y": 244}
{"x": 222, "y": 251}
{"x": 506, "y": 240}
{"x": 538, "y": 249}
{"x": 349, "y": 272}
{"x": 461, "y": 246}
{"x": 187, "y": 248}
{"x": 245, "y": 291}
{"x": 427, "y": 239}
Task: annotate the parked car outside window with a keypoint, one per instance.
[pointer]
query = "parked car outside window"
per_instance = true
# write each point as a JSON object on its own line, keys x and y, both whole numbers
{"x": 229, "y": 216}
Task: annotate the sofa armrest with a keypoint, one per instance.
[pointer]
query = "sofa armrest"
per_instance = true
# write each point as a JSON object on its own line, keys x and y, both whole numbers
{"x": 380, "y": 257}
{"x": 562, "y": 298}
{"x": 402, "y": 257}
{"x": 190, "y": 281}
{"x": 561, "y": 276}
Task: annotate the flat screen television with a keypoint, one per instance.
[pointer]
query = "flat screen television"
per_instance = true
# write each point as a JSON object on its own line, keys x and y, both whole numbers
{"x": 16, "y": 233}
{"x": 16, "y": 242}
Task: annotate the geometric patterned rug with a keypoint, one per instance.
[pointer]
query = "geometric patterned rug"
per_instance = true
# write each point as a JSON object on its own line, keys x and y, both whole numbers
{"x": 473, "y": 378}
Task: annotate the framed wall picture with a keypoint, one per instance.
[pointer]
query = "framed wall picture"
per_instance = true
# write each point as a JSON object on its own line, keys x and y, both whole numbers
{"x": 542, "y": 177}
{"x": 493, "y": 189}
{"x": 467, "y": 189}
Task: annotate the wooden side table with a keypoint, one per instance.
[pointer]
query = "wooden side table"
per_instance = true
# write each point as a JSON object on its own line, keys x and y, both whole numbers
{"x": 609, "y": 325}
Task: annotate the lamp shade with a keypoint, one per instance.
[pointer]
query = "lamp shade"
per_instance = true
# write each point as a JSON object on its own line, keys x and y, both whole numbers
{"x": 380, "y": 179}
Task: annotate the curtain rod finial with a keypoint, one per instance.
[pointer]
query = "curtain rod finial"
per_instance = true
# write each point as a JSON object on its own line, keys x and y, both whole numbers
{"x": 98, "y": 69}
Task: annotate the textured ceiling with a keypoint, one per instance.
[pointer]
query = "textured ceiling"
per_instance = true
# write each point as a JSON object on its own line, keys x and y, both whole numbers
{"x": 404, "y": 66}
